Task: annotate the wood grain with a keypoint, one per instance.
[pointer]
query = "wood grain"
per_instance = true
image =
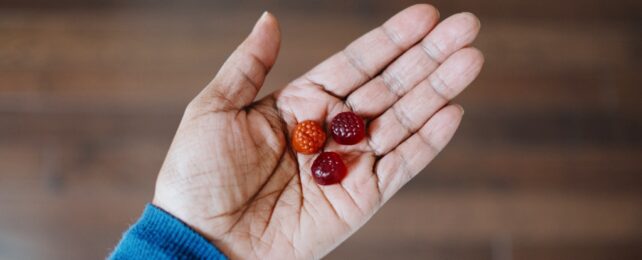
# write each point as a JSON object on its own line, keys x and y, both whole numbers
{"x": 546, "y": 164}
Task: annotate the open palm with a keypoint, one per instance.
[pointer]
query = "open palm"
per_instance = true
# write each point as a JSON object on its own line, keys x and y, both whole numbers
{"x": 231, "y": 174}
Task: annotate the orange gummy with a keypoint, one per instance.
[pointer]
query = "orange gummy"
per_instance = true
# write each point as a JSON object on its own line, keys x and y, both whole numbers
{"x": 308, "y": 137}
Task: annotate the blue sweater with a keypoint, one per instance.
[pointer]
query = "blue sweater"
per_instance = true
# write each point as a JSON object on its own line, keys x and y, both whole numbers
{"x": 159, "y": 235}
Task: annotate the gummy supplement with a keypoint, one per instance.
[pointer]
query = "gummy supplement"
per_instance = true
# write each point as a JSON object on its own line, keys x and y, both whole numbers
{"x": 328, "y": 168}
{"x": 308, "y": 137}
{"x": 347, "y": 128}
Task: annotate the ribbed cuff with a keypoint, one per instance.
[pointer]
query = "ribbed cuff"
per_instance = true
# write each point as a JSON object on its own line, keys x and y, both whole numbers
{"x": 159, "y": 235}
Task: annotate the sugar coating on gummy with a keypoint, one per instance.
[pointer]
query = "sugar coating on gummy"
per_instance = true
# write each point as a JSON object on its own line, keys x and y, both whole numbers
{"x": 328, "y": 168}
{"x": 347, "y": 128}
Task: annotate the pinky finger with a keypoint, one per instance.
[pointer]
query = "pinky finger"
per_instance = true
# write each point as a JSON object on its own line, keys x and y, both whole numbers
{"x": 403, "y": 163}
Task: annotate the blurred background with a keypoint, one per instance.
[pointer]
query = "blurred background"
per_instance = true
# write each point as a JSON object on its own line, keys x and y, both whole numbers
{"x": 547, "y": 163}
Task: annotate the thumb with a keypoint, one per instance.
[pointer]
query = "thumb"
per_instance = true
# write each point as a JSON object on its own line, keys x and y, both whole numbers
{"x": 243, "y": 73}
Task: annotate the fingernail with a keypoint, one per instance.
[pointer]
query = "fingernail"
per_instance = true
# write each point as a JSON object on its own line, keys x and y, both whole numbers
{"x": 263, "y": 16}
{"x": 461, "y": 108}
{"x": 259, "y": 21}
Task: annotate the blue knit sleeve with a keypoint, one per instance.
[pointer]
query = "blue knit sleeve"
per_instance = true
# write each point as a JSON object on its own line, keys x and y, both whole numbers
{"x": 159, "y": 235}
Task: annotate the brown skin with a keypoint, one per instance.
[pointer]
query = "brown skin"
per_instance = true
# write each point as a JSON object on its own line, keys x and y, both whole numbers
{"x": 231, "y": 174}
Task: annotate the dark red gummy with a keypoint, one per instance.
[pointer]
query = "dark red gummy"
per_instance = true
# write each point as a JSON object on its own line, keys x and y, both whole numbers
{"x": 328, "y": 168}
{"x": 347, "y": 128}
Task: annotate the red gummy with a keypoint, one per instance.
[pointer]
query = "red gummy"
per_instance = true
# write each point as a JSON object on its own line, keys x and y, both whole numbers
{"x": 328, "y": 168}
{"x": 347, "y": 128}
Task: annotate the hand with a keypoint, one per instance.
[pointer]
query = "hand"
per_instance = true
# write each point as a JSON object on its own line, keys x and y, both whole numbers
{"x": 231, "y": 174}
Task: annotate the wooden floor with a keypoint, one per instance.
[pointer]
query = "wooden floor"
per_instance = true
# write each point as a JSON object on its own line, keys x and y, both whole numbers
{"x": 547, "y": 163}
